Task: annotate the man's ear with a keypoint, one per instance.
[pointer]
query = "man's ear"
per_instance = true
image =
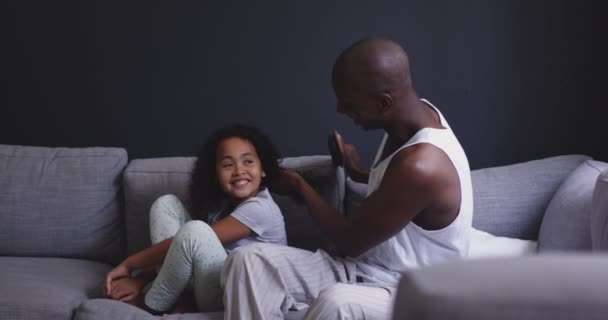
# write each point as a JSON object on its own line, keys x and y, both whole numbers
{"x": 386, "y": 102}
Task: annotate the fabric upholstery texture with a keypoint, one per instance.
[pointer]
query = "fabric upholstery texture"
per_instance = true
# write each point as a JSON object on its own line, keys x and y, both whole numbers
{"x": 61, "y": 202}
{"x": 510, "y": 201}
{"x": 105, "y": 309}
{"x": 599, "y": 214}
{"x": 566, "y": 223}
{"x": 47, "y": 288}
{"x": 475, "y": 290}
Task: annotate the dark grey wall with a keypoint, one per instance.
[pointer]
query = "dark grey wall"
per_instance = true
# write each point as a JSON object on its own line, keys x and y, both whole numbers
{"x": 517, "y": 80}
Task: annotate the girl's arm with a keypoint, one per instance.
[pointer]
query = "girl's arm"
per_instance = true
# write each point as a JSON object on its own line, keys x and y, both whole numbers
{"x": 229, "y": 230}
{"x": 149, "y": 257}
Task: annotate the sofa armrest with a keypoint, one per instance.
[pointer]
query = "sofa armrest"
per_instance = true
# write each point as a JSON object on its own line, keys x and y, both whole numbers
{"x": 566, "y": 286}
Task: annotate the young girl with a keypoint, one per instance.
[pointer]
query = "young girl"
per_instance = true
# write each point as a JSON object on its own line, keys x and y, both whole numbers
{"x": 231, "y": 207}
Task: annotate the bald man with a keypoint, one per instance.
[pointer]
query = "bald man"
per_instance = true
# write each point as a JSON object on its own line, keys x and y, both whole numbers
{"x": 418, "y": 209}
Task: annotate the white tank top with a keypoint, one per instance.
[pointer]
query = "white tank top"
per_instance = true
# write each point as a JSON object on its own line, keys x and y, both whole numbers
{"x": 414, "y": 246}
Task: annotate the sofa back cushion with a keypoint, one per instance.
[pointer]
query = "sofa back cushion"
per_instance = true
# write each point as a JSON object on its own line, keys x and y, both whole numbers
{"x": 567, "y": 224}
{"x": 510, "y": 201}
{"x": 61, "y": 202}
{"x": 599, "y": 214}
{"x": 147, "y": 179}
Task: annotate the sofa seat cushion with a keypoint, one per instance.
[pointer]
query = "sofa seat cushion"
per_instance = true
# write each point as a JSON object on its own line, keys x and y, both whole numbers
{"x": 104, "y": 309}
{"x": 47, "y": 288}
{"x": 566, "y": 224}
{"x": 61, "y": 202}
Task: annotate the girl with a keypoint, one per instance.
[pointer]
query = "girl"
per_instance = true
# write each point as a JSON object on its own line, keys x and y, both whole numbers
{"x": 231, "y": 207}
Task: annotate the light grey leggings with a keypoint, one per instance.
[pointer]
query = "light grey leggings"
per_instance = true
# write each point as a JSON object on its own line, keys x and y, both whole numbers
{"x": 196, "y": 256}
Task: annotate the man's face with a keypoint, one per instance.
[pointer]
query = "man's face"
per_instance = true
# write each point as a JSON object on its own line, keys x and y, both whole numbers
{"x": 358, "y": 106}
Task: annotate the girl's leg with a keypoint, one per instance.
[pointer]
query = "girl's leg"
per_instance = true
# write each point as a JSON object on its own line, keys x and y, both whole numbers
{"x": 167, "y": 215}
{"x": 196, "y": 253}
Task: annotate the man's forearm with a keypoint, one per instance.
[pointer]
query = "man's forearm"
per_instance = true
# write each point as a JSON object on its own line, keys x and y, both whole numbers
{"x": 331, "y": 222}
{"x": 359, "y": 175}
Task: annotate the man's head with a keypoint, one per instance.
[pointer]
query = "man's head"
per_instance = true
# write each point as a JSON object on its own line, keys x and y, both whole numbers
{"x": 370, "y": 78}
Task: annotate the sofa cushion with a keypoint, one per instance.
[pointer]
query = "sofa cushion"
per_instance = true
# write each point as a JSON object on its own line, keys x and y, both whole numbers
{"x": 104, "y": 309}
{"x": 47, "y": 288}
{"x": 62, "y": 202}
{"x": 484, "y": 245}
{"x": 147, "y": 179}
{"x": 599, "y": 214}
{"x": 566, "y": 224}
{"x": 510, "y": 201}
{"x": 566, "y": 286}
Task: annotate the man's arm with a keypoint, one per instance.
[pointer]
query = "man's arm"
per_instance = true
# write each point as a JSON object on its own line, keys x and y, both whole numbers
{"x": 409, "y": 185}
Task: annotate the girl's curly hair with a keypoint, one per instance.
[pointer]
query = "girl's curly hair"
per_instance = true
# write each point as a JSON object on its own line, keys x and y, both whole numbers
{"x": 205, "y": 194}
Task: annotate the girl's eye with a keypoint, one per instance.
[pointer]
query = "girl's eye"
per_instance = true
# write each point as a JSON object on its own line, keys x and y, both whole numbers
{"x": 248, "y": 161}
{"x": 226, "y": 165}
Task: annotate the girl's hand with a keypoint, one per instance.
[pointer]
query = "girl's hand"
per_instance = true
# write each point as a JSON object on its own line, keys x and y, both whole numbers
{"x": 120, "y": 271}
{"x": 126, "y": 289}
{"x": 287, "y": 181}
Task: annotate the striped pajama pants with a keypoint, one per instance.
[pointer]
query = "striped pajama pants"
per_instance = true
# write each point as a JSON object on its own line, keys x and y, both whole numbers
{"x": 264, "y": 281}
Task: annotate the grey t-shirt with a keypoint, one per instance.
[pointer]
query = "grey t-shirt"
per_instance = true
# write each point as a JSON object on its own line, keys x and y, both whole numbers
{"x": 262, "y": 215}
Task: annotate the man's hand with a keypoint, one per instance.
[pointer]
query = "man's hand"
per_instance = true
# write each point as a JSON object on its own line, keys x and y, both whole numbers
{"x": 126, "y": 289}
{"x": 287, "y": 181}
{"x": 120, "y": 271}
{"x": 352, "y": 164}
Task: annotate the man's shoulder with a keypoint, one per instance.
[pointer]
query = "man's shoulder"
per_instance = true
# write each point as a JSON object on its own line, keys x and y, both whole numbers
{"x": 421, "y": 163}
{"x": 419, "y": 157}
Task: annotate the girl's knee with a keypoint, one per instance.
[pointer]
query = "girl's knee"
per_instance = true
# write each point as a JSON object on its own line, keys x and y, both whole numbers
{"x": 166, "y": 203}
{"x": 194, "y": 230}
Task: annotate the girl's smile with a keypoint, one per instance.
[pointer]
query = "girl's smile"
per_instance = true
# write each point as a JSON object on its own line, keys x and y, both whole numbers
{"x": 239, "y": 169}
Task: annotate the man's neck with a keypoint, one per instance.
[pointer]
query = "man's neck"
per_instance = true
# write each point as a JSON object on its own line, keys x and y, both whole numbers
{"x": 412, "y": 115}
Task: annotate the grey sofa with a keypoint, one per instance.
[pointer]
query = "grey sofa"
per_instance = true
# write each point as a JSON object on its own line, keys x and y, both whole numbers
{"x": 68, "y": 215}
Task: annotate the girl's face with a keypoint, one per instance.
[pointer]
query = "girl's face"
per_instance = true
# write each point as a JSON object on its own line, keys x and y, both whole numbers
{"x": 239, "y": 169}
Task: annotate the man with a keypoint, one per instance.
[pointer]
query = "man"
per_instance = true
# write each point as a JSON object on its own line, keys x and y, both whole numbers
{"x": 418, "y": 210}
